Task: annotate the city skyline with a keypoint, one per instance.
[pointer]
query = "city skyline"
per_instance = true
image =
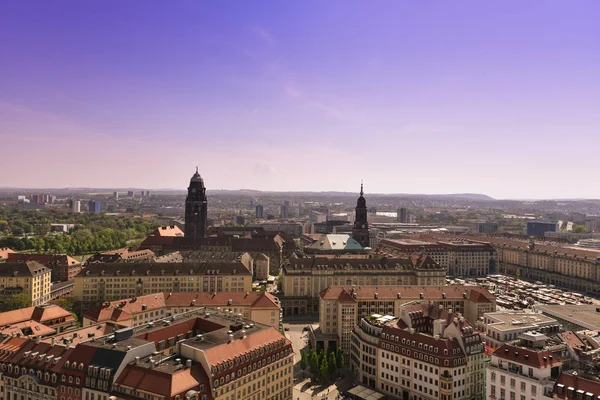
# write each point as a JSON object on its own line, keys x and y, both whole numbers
{"x": 495, "y": 98}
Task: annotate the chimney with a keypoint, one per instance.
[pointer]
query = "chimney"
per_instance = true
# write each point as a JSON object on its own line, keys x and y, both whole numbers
{"x": 52, "y": 341}
{"x": 38, "y": 339}
{"x": 137, "y": 360}
{"x": 243, "y": 333}
{"x": 188, "y": 363}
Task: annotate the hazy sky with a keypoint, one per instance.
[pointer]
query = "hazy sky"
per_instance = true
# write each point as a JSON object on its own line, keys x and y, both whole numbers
{"x": 494, "y": 97}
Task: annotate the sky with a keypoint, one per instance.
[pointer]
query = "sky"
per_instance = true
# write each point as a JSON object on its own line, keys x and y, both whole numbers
{"x": 493, "y": 97}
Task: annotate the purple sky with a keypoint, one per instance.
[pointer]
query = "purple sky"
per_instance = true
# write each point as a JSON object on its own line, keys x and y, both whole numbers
{"x": 494, "y": 97}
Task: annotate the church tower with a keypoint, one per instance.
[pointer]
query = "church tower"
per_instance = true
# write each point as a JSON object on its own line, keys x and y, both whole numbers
{"x": 195, "y": 208}
{"x": 360, "y": 231}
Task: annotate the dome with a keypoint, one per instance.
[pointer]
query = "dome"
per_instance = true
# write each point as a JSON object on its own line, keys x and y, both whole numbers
{"x": 196, "y": 177}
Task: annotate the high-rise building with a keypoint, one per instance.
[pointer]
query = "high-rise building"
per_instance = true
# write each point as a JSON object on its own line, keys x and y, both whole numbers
{"x": 537, "y": 228}
{"x": 360, "y": 231}
{"x": 284, "y": 211}
{"x": 196, "y": 208}
{"x": 402, "y": 215}
{"x": 240, "y": 220}
{"x": 142, "y": 193}
{"x": 147, "y": 193}
{"x": 116, "y": 195}
{"x": 94, "y": 207}
{"x": 76, "y": 206}
{"x": 260, "y": 212}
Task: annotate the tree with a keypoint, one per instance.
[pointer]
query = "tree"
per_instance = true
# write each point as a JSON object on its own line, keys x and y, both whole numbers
{"x": 303, "y": 362}
{"x": 332, "y": 364}
{"x": 16, "y": 301}
{"x": 325, "y": 370}
{"x": 313, "y": 364}
{"x": 339, "y": 358}
{"x": 579, "y": 229}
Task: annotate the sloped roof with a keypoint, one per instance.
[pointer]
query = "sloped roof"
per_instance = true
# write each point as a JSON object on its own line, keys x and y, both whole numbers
{"x": 335, "y": 242}
{"x": 526, "y": 356}
{"x": 36, "y": 313}
{"x": 24, "y": 268}
{"x": 49, "y": 260}
{"x": 367, "y": 292}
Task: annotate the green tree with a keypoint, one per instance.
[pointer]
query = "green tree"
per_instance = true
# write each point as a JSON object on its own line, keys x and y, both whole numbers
{"x": 339, "y": 358}
{"x": 16, "y": 301}
{"x": 303, "y": 362}
{"x": 331, "y": 362}
{"x": 313, "y": 364}
{"x": 325, "y": 370}
{"x": 579, "y": 229}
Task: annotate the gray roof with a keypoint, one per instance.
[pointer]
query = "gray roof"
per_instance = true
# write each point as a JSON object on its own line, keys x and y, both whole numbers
{"x": 335, "y": 242}
{"x": 26, "y": 268}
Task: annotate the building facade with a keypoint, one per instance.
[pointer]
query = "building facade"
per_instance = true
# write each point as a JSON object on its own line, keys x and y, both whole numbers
{"x": 427, "y": 353}
{"x": 305, "y": 278}
{"x": 461, "y": 258}
{"x": 29, "y": 278}
{"x": 196, "y": 208}
{"x": 342, "y": 307}
{"x": 106, "y": 282}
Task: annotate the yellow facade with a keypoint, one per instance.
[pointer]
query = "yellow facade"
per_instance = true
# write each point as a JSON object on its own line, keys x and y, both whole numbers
{"x": 36, "y": 287}
{"x": 107, "y": 288}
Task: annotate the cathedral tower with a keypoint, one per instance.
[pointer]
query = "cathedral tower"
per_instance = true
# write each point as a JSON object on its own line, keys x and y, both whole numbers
{"x": 195, "y": 208}
{"x": 360, "y": 231}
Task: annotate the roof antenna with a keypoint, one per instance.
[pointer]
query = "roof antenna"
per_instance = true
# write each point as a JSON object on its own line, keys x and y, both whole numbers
{"x": 361, "y": 187}
{"x": 196, "y": 169}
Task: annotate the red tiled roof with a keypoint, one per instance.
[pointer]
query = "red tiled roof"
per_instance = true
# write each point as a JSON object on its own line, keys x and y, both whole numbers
{"x": 577, "y": 381}
{"x": 36, "y": 313}
{"x": 225, "y": 351}
{"x": 365, "y": 292}
{"x": 532, "y": 358}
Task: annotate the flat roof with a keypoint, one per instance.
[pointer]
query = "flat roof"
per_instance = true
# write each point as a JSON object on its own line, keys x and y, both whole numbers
{"x": 584, "y": 315}
{"x": 509, "y": 320}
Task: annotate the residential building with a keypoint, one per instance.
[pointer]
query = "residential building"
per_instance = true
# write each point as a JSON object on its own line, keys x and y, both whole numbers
{"x": 573, "y": 268}
{"x": 260, "y": 212}
{"x": 538, "y": 228}
{"x": 503, "y": 326}
{"x": 461, "y": 258}
{"x": 525, "y": 369}
{"x": 305, "y": 278}
{"x": 28, "y": 277}
{"x": 259, "y": 307}
{"x": 426, "y": 353}
{"x": 76, "y": 206}
{"x": 487, "y": 227}
{"x": 342, "y": 307}
{"x": 36, "y": 320}
{"x": 402, "y": 215}
{"x": 64, "y": 267}
{"x": 576, "y": 385}
{"x": 94, "y": 207}
{"x": 101, "y": 282}
{"x": 123, "y": 255}
{"x": 5, "y": 252}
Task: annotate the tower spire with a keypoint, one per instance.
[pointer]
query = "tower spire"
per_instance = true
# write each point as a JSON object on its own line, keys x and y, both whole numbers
{"x": 196, "y": 169}
{"x": 361, "y": 187}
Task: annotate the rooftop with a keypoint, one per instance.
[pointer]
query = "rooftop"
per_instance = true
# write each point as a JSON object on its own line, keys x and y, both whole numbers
{"x": 583, "y": 315}
{"x": 510, "y": 320}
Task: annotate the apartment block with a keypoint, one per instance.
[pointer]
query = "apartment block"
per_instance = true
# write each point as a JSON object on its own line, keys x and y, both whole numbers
{"x": 259, "y": 307}
{"x": 459, "y": 257}
{"x": 305, "y": 278}
{"x": 342, "y": 307}
{"x": 526, "y": 368}
{"x": 102, "y": 282}
{"x": 426, "y": 353}
{"x": 28, "y": 277}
